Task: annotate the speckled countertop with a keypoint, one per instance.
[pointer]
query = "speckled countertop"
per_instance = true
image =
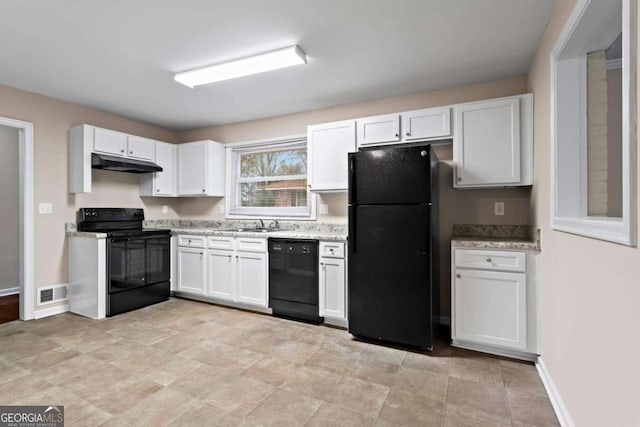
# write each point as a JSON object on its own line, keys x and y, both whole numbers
{"x": 289, "y": 229}
{"x": 521, "y": 237}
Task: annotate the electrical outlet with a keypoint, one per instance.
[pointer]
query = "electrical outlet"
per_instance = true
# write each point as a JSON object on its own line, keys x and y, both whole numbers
{"x": 323, "y": 209}
{"x": 45, "y": 208}
{"x": 498, "y": 208}
{"x": 165, "y": 209}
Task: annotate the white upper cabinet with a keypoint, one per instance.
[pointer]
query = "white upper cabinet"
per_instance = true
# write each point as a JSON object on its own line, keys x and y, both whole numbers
{"x": 378, "y": 129}
{"x": 162, "y": 184}
{"x": 327, "y": 148}
{"x": 426, "y": 124}
{"x": 493, "y": 142}
{"x": 84, "y": 140}
{"x": 201, "y": 169}
{"x": 109, "y": 142}
{"x": 140, "y": 148}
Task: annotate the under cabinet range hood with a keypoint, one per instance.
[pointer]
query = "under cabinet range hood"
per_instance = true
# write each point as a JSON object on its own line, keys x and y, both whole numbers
{"x": 122, "y": 164}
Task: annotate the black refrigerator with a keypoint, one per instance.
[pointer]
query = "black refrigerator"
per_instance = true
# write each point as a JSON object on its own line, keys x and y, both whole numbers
{"x": 393, "y": 293}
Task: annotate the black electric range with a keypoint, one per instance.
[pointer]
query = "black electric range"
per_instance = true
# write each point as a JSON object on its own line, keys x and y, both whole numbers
{"x": 138, "y": 263}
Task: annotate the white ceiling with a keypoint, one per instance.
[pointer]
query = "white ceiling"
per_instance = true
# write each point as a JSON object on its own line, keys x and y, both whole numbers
{"x": 120, "y": 55}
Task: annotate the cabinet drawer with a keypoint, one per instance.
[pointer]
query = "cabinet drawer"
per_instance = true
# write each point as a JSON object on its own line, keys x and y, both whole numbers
{"x": 490, "y": 260}
{"x": 251, "y": 245}
{"x": 332, "y": 249}
{"x": 219, "y": 242}
{"x": 191, "y": 241}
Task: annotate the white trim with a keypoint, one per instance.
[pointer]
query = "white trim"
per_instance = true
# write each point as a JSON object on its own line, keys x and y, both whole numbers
{"x": 584, "y": 19}
{"x": 223, "y": 302}
{"x": 27, "y": 263}
{"x": 614, "y": 64}
{"x": 51, "y": 311}
{"x": 233, "y": 150}
{"x": 9, "y": 291}
{"x": 564, "y": 418}
{"x": 494, "y": 349}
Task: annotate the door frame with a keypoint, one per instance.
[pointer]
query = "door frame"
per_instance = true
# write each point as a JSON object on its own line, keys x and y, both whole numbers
{"x": 26, "y": 232}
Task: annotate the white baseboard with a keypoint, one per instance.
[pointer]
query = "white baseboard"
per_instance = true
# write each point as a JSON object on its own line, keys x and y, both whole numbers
{"x": 9, "y": 291}
{"x": 554, "y": 396}
{"x": 51, "y": 311}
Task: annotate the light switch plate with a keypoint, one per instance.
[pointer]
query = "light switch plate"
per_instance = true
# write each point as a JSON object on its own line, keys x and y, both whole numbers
{"x": 498, "y": 208}
{"x": 165, "y": 209}
{"x": 323, "y": 209}
{"x": 45, "y": 208}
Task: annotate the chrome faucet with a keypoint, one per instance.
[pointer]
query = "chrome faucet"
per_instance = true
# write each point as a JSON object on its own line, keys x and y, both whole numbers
{"x": 261, "y": 223}
{"x": 275, "y": 225}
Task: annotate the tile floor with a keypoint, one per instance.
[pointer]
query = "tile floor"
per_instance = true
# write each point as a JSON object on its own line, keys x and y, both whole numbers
{"x": 186, "y": 363}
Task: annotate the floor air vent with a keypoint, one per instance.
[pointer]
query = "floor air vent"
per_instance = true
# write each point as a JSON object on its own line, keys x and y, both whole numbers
{"x": 52, "y": 294}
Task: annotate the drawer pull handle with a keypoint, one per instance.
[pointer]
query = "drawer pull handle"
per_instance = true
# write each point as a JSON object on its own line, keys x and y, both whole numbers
{"x": 458, "y": 276}
{"x": 488, "y": 259}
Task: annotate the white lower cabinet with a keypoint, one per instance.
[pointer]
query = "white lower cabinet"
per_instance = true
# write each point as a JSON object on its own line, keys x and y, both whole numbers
{"x": 332, "y": 286}
{"x": 238, "y": 271}
{"x": 191, "y": 270}
{"x": 492, "y": 305}
{"x": 251, "y": 278}
{"x": 221, "y": 270}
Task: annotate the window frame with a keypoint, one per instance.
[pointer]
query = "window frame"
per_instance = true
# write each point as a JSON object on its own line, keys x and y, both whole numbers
{"x": 232, "y": 203}
{"x": 569, "y": 152}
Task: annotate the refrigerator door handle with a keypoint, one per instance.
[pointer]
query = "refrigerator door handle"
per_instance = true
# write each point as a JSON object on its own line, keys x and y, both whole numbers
{"x": 351, "y": 238}
{"x": 351, "y": 181}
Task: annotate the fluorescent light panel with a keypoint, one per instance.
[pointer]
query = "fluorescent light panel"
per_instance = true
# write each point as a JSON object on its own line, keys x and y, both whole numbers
{"x": 260, "y": 63}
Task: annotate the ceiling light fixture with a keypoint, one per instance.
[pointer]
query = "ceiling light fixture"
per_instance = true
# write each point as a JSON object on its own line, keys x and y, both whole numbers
{"x": 260, "y": 63}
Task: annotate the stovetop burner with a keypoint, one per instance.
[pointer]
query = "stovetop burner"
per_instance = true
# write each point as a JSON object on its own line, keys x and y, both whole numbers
{"x": 115, "y": 222}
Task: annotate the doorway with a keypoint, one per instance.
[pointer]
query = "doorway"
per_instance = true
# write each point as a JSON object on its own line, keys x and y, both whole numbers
{"x": 23, "y": 248}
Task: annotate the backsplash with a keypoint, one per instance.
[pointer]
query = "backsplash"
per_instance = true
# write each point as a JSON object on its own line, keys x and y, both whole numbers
{"x": 493, "y": 231}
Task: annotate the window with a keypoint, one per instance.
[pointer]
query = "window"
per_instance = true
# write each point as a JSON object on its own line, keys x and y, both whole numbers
{"x": 593, "y": 69}
{"x": 269, "y": 179}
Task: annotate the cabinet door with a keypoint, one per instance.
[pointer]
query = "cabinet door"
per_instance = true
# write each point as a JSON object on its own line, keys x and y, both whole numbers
{"x": 332, "y": 288}
{"x": 491, "y": 308}
{"x": 192, "y": 169}
{"x": 487, "y": 143}
{"x": 378, "y": 129}
{"x": 191, "y": 270}
{"x": 165, "y": 181}
{"x": 424, "y": 124}
{"x": 109, "y": 142}
{"x": 251, "y": 278}
{"x": 327, "y": 147}
{"x": 140, "y": 148}
{"x": 221, "y": 268}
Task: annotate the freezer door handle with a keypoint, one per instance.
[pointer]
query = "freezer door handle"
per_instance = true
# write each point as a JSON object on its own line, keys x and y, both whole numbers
{"x": 351, "y": 181}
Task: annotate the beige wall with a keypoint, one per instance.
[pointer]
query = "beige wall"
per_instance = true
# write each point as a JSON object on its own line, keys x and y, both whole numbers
{"x": 589, "y": 290}
{"x": 9, "y": 208}
{"x": 52, "y": 119}
{"x": 297, "y": 123}
{"x": 456, "y": 206}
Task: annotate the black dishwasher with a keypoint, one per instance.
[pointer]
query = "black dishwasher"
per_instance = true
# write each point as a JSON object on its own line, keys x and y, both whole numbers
{"x": 293, "y": 279}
